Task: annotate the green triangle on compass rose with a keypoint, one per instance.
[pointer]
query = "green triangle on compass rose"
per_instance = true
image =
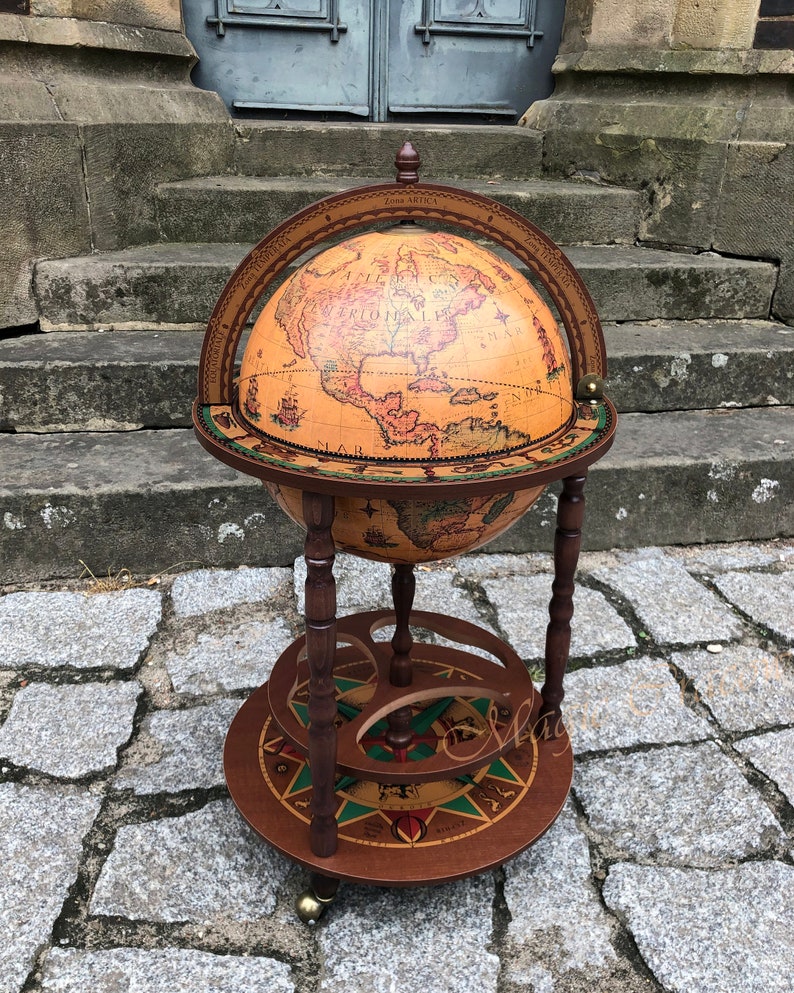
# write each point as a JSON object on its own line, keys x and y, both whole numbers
{"x": 345, "y": 685}
{"x": 500, "y": 770}
{"x": 301, "y": 782}
{"x": 463, "y": 805}
{"x": 301, "y": 711}
{"x": 350, "y": 811}
{"x": 482, "y": 705}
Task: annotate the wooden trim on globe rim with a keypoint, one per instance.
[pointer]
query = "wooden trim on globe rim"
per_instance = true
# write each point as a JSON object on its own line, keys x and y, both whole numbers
{"x": 532, "y": 474}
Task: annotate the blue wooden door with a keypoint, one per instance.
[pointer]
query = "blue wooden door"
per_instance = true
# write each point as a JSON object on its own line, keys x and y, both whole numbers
{"x": 380, "y": 61}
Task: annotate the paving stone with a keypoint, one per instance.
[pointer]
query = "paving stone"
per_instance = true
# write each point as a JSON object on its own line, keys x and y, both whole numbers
{"x": 178, "y": 750}
{"x": 744, "y": 687}
{"x": 674, "y": 607}
{"x": 771, "y": 753}
{"x": 767, "y": 598}
{"x": 638, "y": 702}
{"x": 436, "y": 592}
{"x": 522, "y": 606}
{"x": 741, "y": 555}
{"x": 365, "y": 585}
{"x": 360, "y": 584}
{"x": 553, "y": 904}
{"x": 69, "y": 730}
{"x": 41, "y": 832}
{"x": 492, "y": 566}
{"x": 708, "y": 931}
{"x": 204, "y": 590}
{"x": 204, "y": 866}
{"x": 689, "y": 804}
{"x": 382, "y": 940}
{"x": 54, "y": 629}
{"x": 237, "y": 658}
{"x": 168, "y": 970}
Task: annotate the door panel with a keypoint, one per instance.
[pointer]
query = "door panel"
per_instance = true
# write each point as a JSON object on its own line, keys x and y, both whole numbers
{"x": 276, "y": 56}
{"x": 486, "y": 59}
{"x": 462, "y": 57}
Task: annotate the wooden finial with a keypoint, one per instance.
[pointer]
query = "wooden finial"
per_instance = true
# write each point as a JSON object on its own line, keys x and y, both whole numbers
{"x": 407, "y": 163}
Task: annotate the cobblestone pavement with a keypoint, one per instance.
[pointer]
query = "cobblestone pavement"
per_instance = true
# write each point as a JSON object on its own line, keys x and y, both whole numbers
{"x": 128, "y": 870}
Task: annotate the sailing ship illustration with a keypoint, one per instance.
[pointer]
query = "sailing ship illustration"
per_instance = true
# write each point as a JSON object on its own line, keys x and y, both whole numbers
{"x": 289, "y": 414}
{"x": 253, "y": 407}
{"x": 375, "y": 538}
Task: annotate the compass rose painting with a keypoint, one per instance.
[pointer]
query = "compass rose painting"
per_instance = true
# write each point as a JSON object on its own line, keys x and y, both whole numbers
{"x": 382, "y": 820}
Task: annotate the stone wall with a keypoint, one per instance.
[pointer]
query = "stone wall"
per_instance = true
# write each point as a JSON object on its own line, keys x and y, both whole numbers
{"x": 672, "y": 97}
{"x": 96, "y": 107}
{"x": 163, "y": 14}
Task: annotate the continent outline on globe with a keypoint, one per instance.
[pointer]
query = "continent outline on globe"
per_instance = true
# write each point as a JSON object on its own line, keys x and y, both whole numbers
{"x": 401, "y": 331}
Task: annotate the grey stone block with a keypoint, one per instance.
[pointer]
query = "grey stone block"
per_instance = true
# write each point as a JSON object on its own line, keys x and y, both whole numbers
{"x": 78, "y": 381}
{"x": 206, "y": 590}
{"x": 767, "y": 598}
{"x": 674, "y": 607}
{"x": 450, "y": 931}
{"x": 744, "y": 687}
{"x": 643, "y": 284}
{"x": 246, "y": 208}
{"x": 771, "y": 753}
{"x": 478, "y": 566}
{"x": 688, "y": 805}
{"x": 153, "y": 500}
{"x": 756, "y": 206}
{"x": 437, "y": 592}
{"x": 98, "y": 382}
{"x": 273, "y": 148}
{"x": 128, "y": 156}
{"x": 168, "y": 970}
{"x": 45, "y": 209}
{"x": 635, "y": 703}
{"x": 701, "y": 931}
{"x": 522, "y": 607}
{"x": 553, "y": 904}
{"x": 201, "y": 867}
{"x": 237, "y": 657}
{"x": 168, "y": 286}
{"x": 672, "y": 141}
{"x": 176, "y": 286}
{"x": 695, "y": 480}
{"x": 144, "y": 500}
{"x": 71, "y": 730}
{"x": 32, "y": 898}
{"x": 178, "y": 750}
{"x": 664, "y": 366}
{"x": 73, "y": 629}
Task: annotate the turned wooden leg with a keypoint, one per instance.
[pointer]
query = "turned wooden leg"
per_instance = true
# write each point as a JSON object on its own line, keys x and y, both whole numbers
{"x": 567, "y": 542}
{"x": 318, "y": 513}
{"x": 403, "y": 586}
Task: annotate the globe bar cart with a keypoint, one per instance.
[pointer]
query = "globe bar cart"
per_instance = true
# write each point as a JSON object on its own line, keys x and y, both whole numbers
{"x": 405, "y": 395}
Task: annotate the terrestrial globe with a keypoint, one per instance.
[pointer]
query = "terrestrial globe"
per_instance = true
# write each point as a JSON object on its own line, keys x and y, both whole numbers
{"x": 408, "y": 346}
{"x": 405, "y": 394}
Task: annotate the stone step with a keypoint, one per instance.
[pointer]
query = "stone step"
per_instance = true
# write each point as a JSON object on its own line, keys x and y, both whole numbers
{"x": 149, "y": 500}
{"x": 176, "y": 285}
{"x": 271, "y": 148}
{"x": 125, "y": 380}
{"x": 246, "y": 208}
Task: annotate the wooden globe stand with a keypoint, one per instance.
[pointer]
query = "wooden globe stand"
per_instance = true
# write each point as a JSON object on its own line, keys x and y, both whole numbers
{"x": 389, "y": 761}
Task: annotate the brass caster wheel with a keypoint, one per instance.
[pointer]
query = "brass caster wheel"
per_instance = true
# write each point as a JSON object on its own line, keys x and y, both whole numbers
{"x": 310, "y": 908}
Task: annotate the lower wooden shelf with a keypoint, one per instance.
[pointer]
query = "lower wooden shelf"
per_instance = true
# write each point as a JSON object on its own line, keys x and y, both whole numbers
{"x": 403, "y": 833}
